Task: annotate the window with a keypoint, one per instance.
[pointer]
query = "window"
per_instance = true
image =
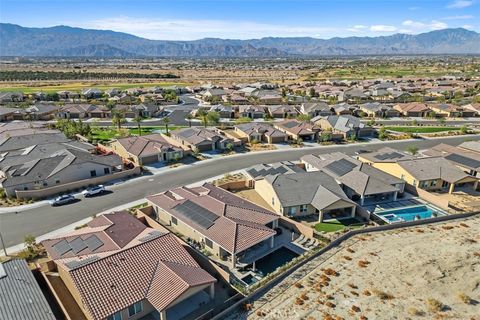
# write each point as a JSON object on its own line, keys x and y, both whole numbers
{"x": 303, "y": 208}
{"x": 45, "y": 184}
{"x": 134, "y": 309}
{"x": 208, "y": 243}
{"x": 273, "y": 201}
{"x": 106, "y": 170}
{"x": 174, "y": 221}
{"x": 292, "y": 210}
{"x": 414, "y": 183}
{"x": 93, "y": 173}
{"x": 115, "y": 316}
{"x": 57, "y": 181}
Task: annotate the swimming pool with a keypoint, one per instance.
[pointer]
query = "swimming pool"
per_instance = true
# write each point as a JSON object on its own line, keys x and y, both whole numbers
{"x": 419, "y": 212}
{"x": 274, "y": 260}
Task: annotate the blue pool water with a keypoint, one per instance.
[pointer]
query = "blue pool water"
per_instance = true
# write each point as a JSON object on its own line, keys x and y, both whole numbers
{"x": 408, "y": 214}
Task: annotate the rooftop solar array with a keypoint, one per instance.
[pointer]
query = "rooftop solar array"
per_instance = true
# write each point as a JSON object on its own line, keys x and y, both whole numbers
{"x": 390, "y": 155}
{"x": 192, "y": 211}
{"x": 81, "y": 263}
{"x": 77, "y": 245}
{"x": 469, "y": 162}
{"x": 151, "y": 235}
{"x": 341, "y": 167}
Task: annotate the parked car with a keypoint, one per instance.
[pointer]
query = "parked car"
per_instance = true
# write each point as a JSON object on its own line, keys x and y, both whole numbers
{"x": 61, "y": 200}
{"x": 94, "y": 191}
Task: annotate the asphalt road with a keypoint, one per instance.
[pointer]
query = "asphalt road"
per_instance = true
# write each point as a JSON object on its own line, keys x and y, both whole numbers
{"x": 38, "y": 221}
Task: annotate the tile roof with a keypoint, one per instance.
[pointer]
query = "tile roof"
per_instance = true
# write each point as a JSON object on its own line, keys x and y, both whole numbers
{"x": 233, "y": 223}
{"x": 298, "y": 127}
{"x": 20, "y": 295}
{"x": 147, "y": 145}
{"x": 159, "y": 271}
{"x": 268, "y": 130}
{"x": 197, "y": 136}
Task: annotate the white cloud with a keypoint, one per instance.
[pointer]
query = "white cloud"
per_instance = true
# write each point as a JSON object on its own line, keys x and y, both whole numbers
{"x": 357, "y": 28}
{"x": 382, "y": 28}
{"x": 176, "y": 29}
{"x": 468, "y": 27}
{"x": 462, "y": 17}
{"x": 460, "y": 4}
{"x": 410, "y": 26}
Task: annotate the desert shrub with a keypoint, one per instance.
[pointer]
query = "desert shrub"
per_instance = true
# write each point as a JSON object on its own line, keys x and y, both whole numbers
{"x": 298, "y": 285}
{"x": 382, "y": 294}
{"x": 298, "y": 301}
{"x": 351, "y": 285}
{"x": 347, "y": 258}
{"x": 330, "y": 272}
{"x": 350, "y": 250}
{"x": 415, "y": 312}
{"x": 260, "y": 313}
{"x": 434, "y": 305}
{"x": 447, "y": 227}
{"x": 464, "y": 298}
{"x": 354, "y": 293}
{"x": 355, "y": 308}
{"x": 330, "y": 304}
{"x": 464, "y": 225}
{"x": 363, "y": 263}
{"x": 366, "y": 292}
{"x": 304, "y": 296}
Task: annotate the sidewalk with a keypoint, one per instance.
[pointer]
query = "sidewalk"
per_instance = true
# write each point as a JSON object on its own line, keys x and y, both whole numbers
{"x": 69, "y": 228}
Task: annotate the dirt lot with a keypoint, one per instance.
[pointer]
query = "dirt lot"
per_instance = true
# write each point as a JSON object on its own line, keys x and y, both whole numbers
{"x": 430, "y": 272}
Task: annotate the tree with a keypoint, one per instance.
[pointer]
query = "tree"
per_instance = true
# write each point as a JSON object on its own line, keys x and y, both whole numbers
{"x": 189, "y": 119}
{"x": 414, "y": 123}
{"x": 243, "y": 120}
{"x": 166, "y": 121}
{"x": 118, "y": 118}
{"x": 382, "y": 133}
{"x": 464, "y": 130}
{"x": 325, "y": 136}
{"x": 413, "y": 150}
{"x": 138, "y": 120}
{"x": 213, "y": 118}
{"x": 303, "y": 117}
{"x": 202, "y": 114}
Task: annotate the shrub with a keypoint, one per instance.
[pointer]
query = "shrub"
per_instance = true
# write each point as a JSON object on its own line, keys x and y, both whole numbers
{"x": 330, "y": 304}
{"x": 351, "y": 285}
{"x": 464, "y": 298}
{"x": 415, "y": 312}
{"x": 464, "y": 225}
{"x": 366, "y": 292}
{"x": 350, "y": 250}
{"x": 330, "y": 272}
{"x": 304, "y": 296}
{"x": 260, "y": 313}
{"x": 298, "y": 285}
{"x": 363, "y": 263}
{"x": 298, "y": 301}
{"x": 434, "y": 305}
{"x": 382, "y": 294}
{"x": 355, "y": 309}
{"x": 347, "y": 258}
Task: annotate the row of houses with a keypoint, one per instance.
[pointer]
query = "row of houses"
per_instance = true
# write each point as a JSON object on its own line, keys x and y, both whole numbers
{"x": 33, "y": 157}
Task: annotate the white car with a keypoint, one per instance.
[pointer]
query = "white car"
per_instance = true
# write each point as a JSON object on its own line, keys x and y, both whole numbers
{"x": 61, "y": 200}
{"x": 94, "y": 191}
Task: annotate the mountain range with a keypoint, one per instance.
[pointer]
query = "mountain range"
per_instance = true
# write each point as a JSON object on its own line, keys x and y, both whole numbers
{"x": 64, "y": 41}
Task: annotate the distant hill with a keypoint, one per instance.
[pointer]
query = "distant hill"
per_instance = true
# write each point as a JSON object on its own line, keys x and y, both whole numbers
{"x": 67, "y": 41}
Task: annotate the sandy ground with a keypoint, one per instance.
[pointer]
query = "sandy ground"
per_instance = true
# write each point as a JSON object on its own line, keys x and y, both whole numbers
{"x": 430, "y": 272}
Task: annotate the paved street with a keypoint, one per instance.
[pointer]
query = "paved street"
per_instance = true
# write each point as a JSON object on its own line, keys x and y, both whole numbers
{"x": 38, "y": 221}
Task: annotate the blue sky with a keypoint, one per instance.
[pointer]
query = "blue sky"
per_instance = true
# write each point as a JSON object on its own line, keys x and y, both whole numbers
{"x": 195, "y": 19}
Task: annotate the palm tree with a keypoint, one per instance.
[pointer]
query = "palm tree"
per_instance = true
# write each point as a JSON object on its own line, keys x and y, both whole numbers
{"x": 138, "y": 120}
{"x": 118, "y": 118}
{"x": 166, "y": 121}
{"x": 189, "y": 118}
{"x": 203, "y": 117}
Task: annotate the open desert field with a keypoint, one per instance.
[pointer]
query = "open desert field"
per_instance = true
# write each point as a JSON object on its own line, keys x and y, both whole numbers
{"x": 430, "y": 272}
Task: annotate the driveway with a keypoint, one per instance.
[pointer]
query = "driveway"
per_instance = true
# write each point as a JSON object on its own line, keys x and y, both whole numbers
{"x": 44, "y": 219}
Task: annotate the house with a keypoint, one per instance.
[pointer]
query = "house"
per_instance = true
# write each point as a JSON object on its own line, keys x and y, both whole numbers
{"x": 7, "y": 114}
{"x": 268, "y": 97}
{"x": 428, "y": 173}
{"x": 118, "y": 268}
{"x": 82, "y": 111}
{"x": 235, "y": 99}
{"x": 147, "y": 149}
{"x": 413, "y": 109}
{"x": 201, "y": 139}
{"x": 260, "y": 132}
{"x": 11, "y": 140}
{"x": 145, "y": 110}
{"x": 68, "y": 95}
{"x": 260, "y": 171}
{"x": 466, "y": 160}
{"x": 227, "y": 112}
{"x": 296, "y": 129}
{"x": 343, "y": 109}
{"x": 92, "y": 93}
{"x": 378, "y": 110}
{"x": 63, "y": 167}
{"x": 282, "y": 111}
{"x": 470, "y": 146}
{"x": 451, "y": 111}
{"x": 6, "y": 97}
{"x": 22, "y": 297}
{"x": 156, "y": 98}
{"x": 251, "y": 111}
{"x": 40, "y": 112}
{"x": 304, "y": 194}
{"x": 227, "y": 226}
{"x": 314, "y": 109}
{"x": 474, "y": 107}
{"x": 346, "y": 125}
{"x": 360, "y": 181}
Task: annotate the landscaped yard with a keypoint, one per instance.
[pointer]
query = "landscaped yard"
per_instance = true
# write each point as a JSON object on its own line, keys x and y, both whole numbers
{"x": 336, "y": 225}
{"x": 421, "y": 129}
{"x": 109, "y": 133}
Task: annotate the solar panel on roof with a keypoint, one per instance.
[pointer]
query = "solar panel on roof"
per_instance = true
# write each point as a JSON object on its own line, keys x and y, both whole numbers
{"x": 469, "y": 162}
{"x": 341, "y": 167}
{"x": 62, "y": 247}
{"x": 77, "y": 245}
{"x": 93, "y": 243}
{"x": 192, "y": 211}
{"x": 151, "y": 235}
{"x": 80, "y": 263}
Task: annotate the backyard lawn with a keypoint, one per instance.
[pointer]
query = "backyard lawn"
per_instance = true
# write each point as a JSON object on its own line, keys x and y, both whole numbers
{"x": 422, "y": 129}
{"x": 336, "y": 225}
{"x": 109, "y": 133}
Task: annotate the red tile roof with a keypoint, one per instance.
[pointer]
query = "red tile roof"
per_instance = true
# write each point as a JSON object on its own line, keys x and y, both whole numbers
{"x": 160, "y": 271}
{"x": 240, "y": 223}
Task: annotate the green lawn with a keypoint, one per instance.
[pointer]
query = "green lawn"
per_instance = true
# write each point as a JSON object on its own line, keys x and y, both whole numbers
{"x": 422, "y": 129}
{"x": 79, "y": 86}
{"x": 336, "y": 225}
{"x": 109, "y": 133}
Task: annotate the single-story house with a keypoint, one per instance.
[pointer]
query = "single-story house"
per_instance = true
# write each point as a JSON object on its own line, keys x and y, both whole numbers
{"x": 451, "y": 111}
{"x": 226, "y": 225}
{"x": 348, "y": 126}
{"x": 201, "y": 139}
{"x": 314, "y": 109}
{"x": 413, "y": 109}
{"x": 378, "y": 110}
{"x": 296, "y": 129}
{"x": 282, "y": 111}
{"x": 260, "y": 132}
{"x": 251, "y": 111}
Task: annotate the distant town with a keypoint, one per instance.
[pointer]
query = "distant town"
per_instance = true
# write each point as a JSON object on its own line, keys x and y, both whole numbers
{"x": 274, "y": 189}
